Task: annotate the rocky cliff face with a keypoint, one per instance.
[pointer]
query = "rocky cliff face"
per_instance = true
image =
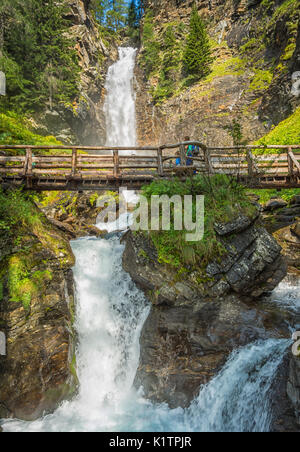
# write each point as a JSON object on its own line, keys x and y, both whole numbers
{"x": 194, "y": 325}
{"x": 36, "y": 316}
{"x": 254, "y": 76}
{"x": 83, "y": 121}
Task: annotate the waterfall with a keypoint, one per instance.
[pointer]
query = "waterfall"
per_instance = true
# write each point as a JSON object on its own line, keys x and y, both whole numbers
{"x": 119, "y": 105}
{"x": 110, "y": 314}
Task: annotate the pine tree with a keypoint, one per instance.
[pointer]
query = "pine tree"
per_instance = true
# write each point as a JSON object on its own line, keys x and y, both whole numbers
{"x": 150, "y": 56}
{"x": 39, "y": 59}
{"x": 197, "y": 55}
{"x": 133, "y": 21}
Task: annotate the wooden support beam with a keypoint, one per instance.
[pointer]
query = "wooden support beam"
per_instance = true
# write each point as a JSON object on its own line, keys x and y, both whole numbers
{"x": 116, "y": 164}
{"x": 160, "y": 162}
{"x": 74, "y": 162}
{"x": 293, "y": 160}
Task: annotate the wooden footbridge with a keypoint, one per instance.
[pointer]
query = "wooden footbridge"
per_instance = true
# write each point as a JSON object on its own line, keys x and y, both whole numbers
{"x": 102, "y": 168}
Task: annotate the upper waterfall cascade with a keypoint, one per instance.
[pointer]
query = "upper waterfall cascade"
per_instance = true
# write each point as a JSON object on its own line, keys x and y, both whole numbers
{"x": 119, "y": 105}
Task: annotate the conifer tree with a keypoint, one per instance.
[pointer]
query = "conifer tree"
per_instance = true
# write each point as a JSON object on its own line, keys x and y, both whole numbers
{"x": 197, "y": 55}
{"x": 133, "y": 21}
{"x": 150, "y": 45}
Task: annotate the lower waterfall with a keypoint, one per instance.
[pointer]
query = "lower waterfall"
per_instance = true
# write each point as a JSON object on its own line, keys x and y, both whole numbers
{"x": 111, "y": 312}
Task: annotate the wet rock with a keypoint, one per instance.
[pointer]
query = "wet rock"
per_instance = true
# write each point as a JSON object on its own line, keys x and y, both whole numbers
{"x": 38, "y": 370}
{"x": 195, "y": 323}
{"x": 274, "y": 204}
{"x": 289, "y": 240}
{"x": 293, "y": 386}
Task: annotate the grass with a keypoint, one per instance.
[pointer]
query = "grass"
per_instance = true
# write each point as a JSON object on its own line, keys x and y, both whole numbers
{"x": 224, "y": 201}
{"x": 266, "y": 194}
{"x": 287, "y": 132}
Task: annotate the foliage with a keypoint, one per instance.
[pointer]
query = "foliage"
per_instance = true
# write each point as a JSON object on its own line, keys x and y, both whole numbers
{"x": 287, "y": 132}
{"x": 133, "y": 21}
{"x": 197, "y": 55}
{"x": 266, "y": 194}
{"x": 261, "y": 80}
{"x": 38, "y": 56}
{"x": 15, "y": 129}
{"x": 224, "y": 200}
{"x": 150, "y": 55}
{"x": 169, "y": 66}
{"x": 16, "y": 210}
{"x": 236, "y": 132}
{"x": 23, "y": 284}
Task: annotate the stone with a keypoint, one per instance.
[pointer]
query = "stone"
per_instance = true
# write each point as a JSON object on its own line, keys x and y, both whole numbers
{"x": 35, "y": 373}
{"x": 194, "y": 324}
{"x": 275, "y": 204}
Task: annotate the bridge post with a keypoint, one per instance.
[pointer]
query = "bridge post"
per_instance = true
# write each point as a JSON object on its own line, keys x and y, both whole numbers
{"x": 28, "y": 167}
{"x": 182, "y": 155}
{"x": 116, "y": 164}
{"x": 208, "y": 162}
{"x": 160, "y": 162}
{"x": 74, "y": 162}
{"x": 290, "y": 164}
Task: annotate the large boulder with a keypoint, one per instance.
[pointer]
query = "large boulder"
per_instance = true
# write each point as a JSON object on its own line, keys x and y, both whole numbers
{"x": 194, "y": 324}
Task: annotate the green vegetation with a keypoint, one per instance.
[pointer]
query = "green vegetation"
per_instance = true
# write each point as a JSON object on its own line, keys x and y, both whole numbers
{"x": 266, "y": 194}
{"x": 23, "y": 285}
{"x": 261, "y": 80}
{"x": 169, "y": 66}
{"x": 151, "y": 47}
{"x": 287, "y": 132}
{"x": 38, "y": 56}
{"x": 16, "y": 210}
{"x": 197, "y": 54}
{"x": 15, "y": 129}
{"x": 174, "y": 58}
{"x": 224, "y": 200}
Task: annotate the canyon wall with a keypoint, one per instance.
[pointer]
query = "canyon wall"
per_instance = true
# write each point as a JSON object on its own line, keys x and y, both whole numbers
{"x": 254, "y": 78}
{"x": 83, "y": 121}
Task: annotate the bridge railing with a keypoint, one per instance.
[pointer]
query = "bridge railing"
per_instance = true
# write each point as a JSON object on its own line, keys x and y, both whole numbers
{"x": 36, "y": 167}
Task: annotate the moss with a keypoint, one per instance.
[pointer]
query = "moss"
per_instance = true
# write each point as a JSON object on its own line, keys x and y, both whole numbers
{"x": 15, "y": 129}
{"x": 287, "y": 132}
{"x": 142, "y": 253}
{"x": 73, "y": 367}
{"x": 22, "y": 284}
{"x": 261, "y": 80}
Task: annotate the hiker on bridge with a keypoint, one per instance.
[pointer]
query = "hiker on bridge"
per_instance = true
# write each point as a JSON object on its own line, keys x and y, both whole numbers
{"x": 191, "y": 151}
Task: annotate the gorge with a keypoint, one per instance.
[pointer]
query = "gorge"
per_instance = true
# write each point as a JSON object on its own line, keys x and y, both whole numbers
{"x": 138, "y": 345}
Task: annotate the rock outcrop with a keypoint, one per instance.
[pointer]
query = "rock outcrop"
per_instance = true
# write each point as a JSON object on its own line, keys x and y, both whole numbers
{"x": 36, "y": 316}
{"x": 82, "y": 122}
{"x": 249, "y": 40}
{"x": 293, "y": 387}
{"x": 194, "y": 324}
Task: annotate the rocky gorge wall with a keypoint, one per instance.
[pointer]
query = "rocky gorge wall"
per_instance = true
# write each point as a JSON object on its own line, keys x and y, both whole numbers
{"x": 83, "y": 121}
{"x": 194, "y": 325}
{"x": 36, "y": 316}
{"x": 254, "y": 78}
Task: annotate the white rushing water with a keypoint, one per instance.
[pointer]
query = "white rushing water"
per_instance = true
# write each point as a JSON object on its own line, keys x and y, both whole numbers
{"x": 110, "y": 313}
{"x": 119, "y": 105}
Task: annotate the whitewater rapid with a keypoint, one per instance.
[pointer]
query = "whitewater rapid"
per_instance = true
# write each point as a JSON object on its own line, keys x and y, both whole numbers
{"x": 110, "y": 313}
